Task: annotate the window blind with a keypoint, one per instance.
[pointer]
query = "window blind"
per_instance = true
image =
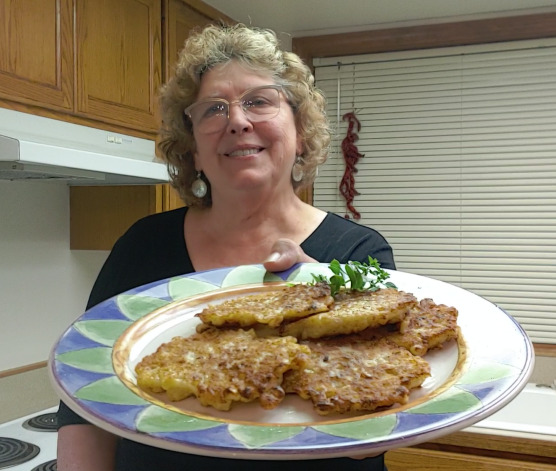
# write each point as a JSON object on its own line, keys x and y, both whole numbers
{"x": 459, "y": 166}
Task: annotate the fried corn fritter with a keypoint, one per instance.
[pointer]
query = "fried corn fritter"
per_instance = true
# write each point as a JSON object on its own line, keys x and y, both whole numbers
{"x": 270, "y": 308}
{"x": 220, "y": 367}
{"x": 347, "y": 375}
{"x": 358, "y": 351}
{"x": 426, "y": 326}
{"x": 353, "y": 312}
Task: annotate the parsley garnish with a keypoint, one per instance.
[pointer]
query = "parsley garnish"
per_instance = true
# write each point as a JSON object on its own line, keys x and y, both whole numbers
{"x": 355, "y": 276}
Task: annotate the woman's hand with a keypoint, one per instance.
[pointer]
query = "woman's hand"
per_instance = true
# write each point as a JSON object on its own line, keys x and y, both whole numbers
{"x": 284, "y": 254}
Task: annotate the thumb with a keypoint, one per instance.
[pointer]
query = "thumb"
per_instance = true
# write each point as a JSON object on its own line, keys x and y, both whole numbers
{"x": 284, "y": 254}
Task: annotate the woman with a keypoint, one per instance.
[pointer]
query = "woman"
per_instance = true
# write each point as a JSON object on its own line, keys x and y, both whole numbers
{"x": 243, "y": 129}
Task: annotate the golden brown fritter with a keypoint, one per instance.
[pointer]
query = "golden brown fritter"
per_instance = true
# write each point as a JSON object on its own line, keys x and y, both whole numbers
{"x": 364, "y": 354}
{"x": 270, "y": 308}
{"x": 353, "y": 312}
{"x": 426, "y": 326}
{"x": 348, "y": 375}
{"x": 220, "y": 367}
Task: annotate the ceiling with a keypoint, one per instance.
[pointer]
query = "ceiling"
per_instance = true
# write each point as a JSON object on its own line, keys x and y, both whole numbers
{"x": 295, "y": 18}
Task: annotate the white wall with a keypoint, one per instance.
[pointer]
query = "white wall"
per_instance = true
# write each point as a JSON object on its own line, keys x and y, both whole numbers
{"x": 43, "y": 285}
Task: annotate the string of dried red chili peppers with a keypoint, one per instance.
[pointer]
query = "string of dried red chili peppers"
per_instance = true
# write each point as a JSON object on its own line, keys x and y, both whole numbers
{"x": 351, "y": 157}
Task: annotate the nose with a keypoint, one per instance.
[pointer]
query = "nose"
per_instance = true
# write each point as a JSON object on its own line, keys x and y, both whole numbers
{"x": 237, "y": 119}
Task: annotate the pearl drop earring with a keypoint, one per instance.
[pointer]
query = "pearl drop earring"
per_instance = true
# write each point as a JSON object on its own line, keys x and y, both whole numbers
{"x": 199, "y": 187}
{"x": 297, "y": 169}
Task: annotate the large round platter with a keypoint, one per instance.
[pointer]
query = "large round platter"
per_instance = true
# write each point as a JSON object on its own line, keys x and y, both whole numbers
{"x": 92, "y": 369}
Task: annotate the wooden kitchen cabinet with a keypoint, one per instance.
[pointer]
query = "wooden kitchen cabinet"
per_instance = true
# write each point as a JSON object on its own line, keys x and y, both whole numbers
{"x": 416, "y": 459}
{"x": 180, "y": 19}
{"x": 36, "y": 53}
{"x": 96, "y": 63}
{"x": 99, "y": 215}
{"x": 118, "y": 61}
{"x": 471, "y": 451}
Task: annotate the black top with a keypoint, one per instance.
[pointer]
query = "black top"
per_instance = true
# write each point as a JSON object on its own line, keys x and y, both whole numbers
{"x": 154, "y": 249}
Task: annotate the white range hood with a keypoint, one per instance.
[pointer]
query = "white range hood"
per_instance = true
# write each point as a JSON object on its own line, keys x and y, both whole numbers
{"x": 37, "y": 148}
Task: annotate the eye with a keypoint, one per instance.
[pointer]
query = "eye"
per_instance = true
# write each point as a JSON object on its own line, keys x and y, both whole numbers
{"x": 259, "y": 100}
{"x": 216, "y": 108}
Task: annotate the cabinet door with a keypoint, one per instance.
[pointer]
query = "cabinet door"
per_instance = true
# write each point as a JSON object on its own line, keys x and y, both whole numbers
{"x": 118, "y": 61}
{"x": 36, "y": 53}
{"x": 101, "y": 214}
{"x": 416, "y": 459}
{"x": 180, "y": 20}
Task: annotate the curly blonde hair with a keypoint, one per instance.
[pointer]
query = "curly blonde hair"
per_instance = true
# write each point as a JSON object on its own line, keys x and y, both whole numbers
{"x": 258, "y": 50}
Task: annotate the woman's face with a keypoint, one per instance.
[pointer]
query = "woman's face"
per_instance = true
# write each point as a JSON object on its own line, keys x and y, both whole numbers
{"x": 245, "y": 156}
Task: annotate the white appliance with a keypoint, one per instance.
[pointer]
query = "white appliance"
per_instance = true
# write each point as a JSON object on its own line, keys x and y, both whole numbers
{"x": 37, "y": 148}
{"x": 29, "y": 443}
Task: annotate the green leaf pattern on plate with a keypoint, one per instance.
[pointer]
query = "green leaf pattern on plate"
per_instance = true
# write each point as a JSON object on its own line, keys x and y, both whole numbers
{"x": 487, "y": 372}
{"x": 361, "y": 429}
{"x": 111, "y": 391}
{"x": 105, "y": 332}
{"x": 452, "y": 401}
{"x": 256, "y": 436}
{"x": 134, "y": 306}
{"x": 305, "y": 272}
{"x": 271, "y": 277}
{"x": 98, "y": 360}
{"x": 181, "y": 287}
{"x": 154, "y": 419}
{"x": 244, "y": 275}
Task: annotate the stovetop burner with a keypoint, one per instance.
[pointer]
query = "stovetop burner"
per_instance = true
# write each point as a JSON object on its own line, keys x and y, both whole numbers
{"x": 48, "y": 466}
{"x": 30, "y": 447}
{"x": 42, "y": 423}
{"x": 14, "y": 451}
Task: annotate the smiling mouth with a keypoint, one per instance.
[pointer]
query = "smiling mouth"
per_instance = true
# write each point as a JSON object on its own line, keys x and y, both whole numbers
{"x": 244, "y": 152}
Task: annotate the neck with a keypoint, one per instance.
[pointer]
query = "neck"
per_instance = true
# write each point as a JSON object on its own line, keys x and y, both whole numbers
{"x": 256, "y": 214}
{"x": 244, "y": 232}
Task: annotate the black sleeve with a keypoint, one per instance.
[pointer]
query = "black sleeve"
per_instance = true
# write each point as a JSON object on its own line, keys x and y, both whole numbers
{"x": 344, "y": 240}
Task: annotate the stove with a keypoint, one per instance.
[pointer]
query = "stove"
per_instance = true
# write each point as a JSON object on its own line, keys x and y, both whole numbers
{"x": 29, "y": 443}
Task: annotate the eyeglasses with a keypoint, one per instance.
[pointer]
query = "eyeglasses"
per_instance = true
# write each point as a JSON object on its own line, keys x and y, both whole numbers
{"x": 211, "y": 115}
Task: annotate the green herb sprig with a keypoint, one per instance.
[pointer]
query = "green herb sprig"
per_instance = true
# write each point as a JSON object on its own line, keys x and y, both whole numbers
{"x": 355, "y": 276}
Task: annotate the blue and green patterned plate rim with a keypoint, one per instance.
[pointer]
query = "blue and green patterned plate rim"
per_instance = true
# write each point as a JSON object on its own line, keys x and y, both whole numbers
{"x": 498, "y": 362}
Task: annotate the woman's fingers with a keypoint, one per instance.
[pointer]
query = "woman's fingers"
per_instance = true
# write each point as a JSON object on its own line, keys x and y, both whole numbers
{"x": 284, "y": 254}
